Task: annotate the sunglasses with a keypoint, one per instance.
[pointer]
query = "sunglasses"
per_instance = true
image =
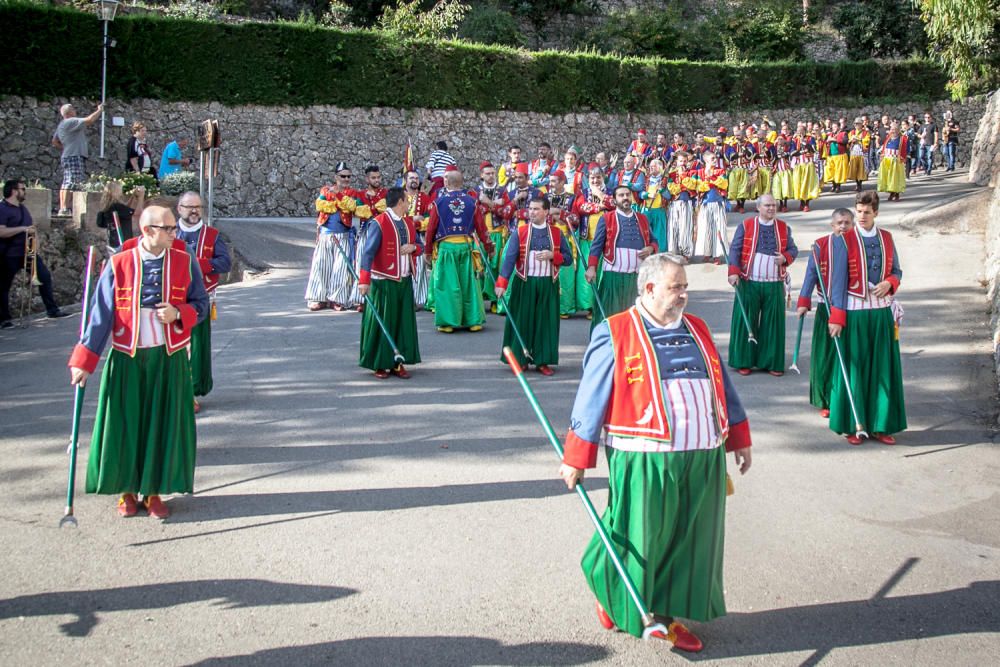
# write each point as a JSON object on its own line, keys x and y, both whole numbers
{"x": 169, "y": 229}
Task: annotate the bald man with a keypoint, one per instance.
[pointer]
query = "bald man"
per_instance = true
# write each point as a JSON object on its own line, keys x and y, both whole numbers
{"x": 144, "y": 433}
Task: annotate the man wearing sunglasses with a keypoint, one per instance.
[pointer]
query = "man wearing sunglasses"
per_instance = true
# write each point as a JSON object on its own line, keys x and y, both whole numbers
{"x": 330, "y": 281}
{"x": 147, "y": 300}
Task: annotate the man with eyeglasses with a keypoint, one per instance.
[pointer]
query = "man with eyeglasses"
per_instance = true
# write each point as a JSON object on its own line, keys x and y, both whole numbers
{"x": 147, "y": 300}
{"x": 212, "y": 255}
{"x": 15, "y": 226}
{"x": 330, "y": 282}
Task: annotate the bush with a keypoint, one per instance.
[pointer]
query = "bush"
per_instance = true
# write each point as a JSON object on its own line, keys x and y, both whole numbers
{"x": 178, "y": 183}
{"x": 407, "y": 19}
{"x": 488, "y": 24}
{"x": 881, "y": 29}
{"x": 300, "y": 65}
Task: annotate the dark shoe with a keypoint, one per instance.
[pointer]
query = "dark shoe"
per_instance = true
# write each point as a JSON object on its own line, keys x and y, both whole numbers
{"x": 337, "y": 308}
{"x": 156, "y": 508}
{"x": 400, "y": 372}
{"x": 316, "y": 306}
{"x": 57, "y": 314}
{"x": 127, "y": 505}
{"x": 6, "y": 324}
{"x": 381, "y": 374}
{"x": 360, "y": 308}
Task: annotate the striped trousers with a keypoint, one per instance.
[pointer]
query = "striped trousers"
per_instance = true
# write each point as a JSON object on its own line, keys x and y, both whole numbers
{"x": 329, "y": 277}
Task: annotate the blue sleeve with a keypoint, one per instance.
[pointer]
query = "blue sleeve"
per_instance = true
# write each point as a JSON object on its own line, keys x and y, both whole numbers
{"x": 600, "y": 236}
{"x": 102, "y": 313}
{"x": 736, "y": 246}
{"x": 566, "y": 251}
{"x": 809, "y": 281}
{"x": 838, "y": 274}
{"x": 792, "y": 249}
{"x": 372, "y": 243}
{"x": 594, "y": 392}
{"x": 197, "y": 297}
{"x": 897, "y": 270}
{"x": 639, "y": 184}
{"x": 733, "y": 403}
{"x": 222, "y": 262}
{"x": 510, "y": 256}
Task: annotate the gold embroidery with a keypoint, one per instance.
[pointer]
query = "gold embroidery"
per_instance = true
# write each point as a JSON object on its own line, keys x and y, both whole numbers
{"x": 635, "y": 379}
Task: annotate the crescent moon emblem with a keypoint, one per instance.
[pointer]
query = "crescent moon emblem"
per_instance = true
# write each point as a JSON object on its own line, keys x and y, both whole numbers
{"x": 647, "y": 414}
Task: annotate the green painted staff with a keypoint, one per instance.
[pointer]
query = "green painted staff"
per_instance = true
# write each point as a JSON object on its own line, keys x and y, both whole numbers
{"x": 798, "y": 342}
{"x": 739, "y": 299}
{"x": 649, "y": 623}
{"x": 396, "y": 356}
{"x": 504, "y": 301}
{"x": 859, "y": 430}
{"x": 68, "y": 518}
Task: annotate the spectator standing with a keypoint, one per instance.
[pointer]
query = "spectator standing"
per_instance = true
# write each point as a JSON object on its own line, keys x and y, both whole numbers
{"x": 173, "y": 159}
{"x": 928, "y": 143}
{"x": 911, "y": 130}
{"x": 71, "y": 137}
{"x": 140, "y": 159}
{"x": 950, "y": 134}
{"x": 437, "y": 163}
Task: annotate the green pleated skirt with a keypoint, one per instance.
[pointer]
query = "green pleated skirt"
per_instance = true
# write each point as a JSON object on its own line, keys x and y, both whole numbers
{"x": 394, "y": 302}
{"x": 567, "y": 289}
{"x": 201, "y": 357}
{"x": 496, "y": 259}
{"x": 765, "y": 308}
{"x": 618, "y": 292}
{"x": 534, "y": 305}
{"x": 666, "y": 517}
{"x": 822, "y": 361}
{"x": 144, "y": 434}
{"x": 458, "y": 298}
{"x": 584, "y": 292}
{"x": 876, "y": 375}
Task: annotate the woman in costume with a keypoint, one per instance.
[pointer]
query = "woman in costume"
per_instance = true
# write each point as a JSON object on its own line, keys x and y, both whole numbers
{"x": 892, "y": 171}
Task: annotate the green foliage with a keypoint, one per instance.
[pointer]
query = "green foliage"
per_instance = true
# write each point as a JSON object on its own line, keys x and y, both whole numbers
{"x": 337, "y": 15}
{"x": 407, "y": 19}
{"x": 178, "y": 183}
{"x": 129, "y": 181}
{"x": 297, "y": 65}
{"x": 881, "y": 29}
{"x": 488, "y": 24}
{"x": 964, "y": 36}
{"x": 194, "y": 9}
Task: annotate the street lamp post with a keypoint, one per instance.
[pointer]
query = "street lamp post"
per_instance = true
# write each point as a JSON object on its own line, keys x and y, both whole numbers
{"x": 106, "y": 10}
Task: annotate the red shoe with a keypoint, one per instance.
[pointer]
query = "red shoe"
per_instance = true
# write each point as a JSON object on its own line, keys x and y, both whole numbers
{"x": 400, "y": 372}
{"x": 682, "y": 638}
{"x": 316, "y": 306}
{"x": 337, "y": 308}
{"x": 806, "y": 209}
{"x": 885, "y": 438}
{"x": 777, "y": 374}
{"x": 854, "y": 440}
{"x": 381, "y": 374}
{"x": 197, "y": 406}
{"x": 824, "y": 413}
{"x": 156, "y": 508}
{"x": 545, "y": 370}
{"x": 802, "y": 206}
{"x": 360, "y": 308}
{"x": 739, "y": 209}
{"x": 127, "y": 505}
{"x": 603, "y": 618}
{"x": 743, "y": 371}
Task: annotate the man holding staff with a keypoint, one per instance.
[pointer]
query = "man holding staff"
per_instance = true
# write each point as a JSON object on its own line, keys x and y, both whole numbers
{"x": 148, "y": 299}
{"x": 653, "y": 379}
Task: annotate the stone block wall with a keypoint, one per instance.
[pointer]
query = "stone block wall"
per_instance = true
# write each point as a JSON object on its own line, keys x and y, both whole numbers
{"x": 274, "y": 159}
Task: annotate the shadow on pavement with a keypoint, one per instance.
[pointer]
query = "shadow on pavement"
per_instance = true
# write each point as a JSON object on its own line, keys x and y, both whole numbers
{"x": 458, "y": 651}
{"x": 231, "y": 593}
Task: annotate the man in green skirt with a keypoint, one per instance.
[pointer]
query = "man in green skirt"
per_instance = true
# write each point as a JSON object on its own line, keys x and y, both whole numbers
{"x": 621, "y": 242}
{"x": 759, "y": 257}
{"x": 865, "y": 315}
{"x": 210, "y": 251}
{"x": 147, "y": 300}
{"x": 455, "y": 216}
{"x": 535, "y": 254}
{"x": 654, "y": 382}
{"x": 823, "y": 356}
{"x": 388, "y": 263}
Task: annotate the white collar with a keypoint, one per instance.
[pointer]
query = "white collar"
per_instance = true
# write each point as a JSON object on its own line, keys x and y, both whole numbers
{"x": 190, "y": 228}
{"x": 541, "y": 226}
{"x": 676, "y": 324}
{"x": 868, "y": 234}
{"x": 392, "y": 215}
{"x": 145, "y": 255}
{"x": 766, "y": 223}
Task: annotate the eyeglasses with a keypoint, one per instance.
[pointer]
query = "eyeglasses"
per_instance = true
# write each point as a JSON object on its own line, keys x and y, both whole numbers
{"x": 346, "y": 177}
{"x": 193, "y": 208}
{"x": 169, "y": 229}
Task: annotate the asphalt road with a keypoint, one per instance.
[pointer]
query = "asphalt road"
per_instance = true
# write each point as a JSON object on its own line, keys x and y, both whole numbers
{"x": 343, "y": 520}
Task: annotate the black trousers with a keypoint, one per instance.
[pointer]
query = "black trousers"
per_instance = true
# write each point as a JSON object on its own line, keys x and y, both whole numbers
{"x": 9, "y": 268}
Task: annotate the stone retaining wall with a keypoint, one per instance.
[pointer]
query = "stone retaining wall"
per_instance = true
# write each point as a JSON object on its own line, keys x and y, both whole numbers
{"x": 275, "y": 159}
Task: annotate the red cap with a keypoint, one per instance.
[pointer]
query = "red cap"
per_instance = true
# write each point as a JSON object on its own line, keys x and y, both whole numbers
{"x": 593, "y": 165}
{"x": 450, "y": 167}
{"x": 559, "y": 173}
{"x": 723, "y": 130}
{"x": 484, "y": 164}
{"x": 640, "y": 131}
{"x": 522, "y": 168}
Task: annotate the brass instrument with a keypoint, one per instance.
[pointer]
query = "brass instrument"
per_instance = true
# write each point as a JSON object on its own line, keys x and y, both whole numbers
{"x": 31, "y": 280}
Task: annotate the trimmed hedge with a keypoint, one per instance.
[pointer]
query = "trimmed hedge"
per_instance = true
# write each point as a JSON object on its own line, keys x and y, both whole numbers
{"x": 57, "y": 52}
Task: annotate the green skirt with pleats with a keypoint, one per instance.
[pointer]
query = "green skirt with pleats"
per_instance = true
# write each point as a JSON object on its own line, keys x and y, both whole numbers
{"x": 458, "y": 299}
{"x": 394, "y": 302}
{"x": 618, "y": 292}
{"x": 584, "y": 292}
{"x": 871, "y": 349}
{"x": 822, "y": 361}
{"x": 567, "y": 289}
{"x": 496, "y": 259}
{"x": 765, "y": 308}
{"x": 666, "y": 517}
{"x": 144, "y": 435}
{"x": 201, "y": 357}
{"x": 534, "y": 305}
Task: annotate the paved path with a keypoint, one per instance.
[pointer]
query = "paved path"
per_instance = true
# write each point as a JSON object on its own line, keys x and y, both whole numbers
{"x": 342, "y": 520}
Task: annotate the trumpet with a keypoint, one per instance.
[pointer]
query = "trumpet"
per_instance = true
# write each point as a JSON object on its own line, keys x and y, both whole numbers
{"x": 31, "y": 280}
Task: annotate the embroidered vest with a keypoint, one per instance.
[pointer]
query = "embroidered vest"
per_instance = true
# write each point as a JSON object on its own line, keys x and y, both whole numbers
{"x": 524, "y": 241}
{"x": 456, "y": 214}
{"x": 612, "y": 230}
{"x": 127, "y": 269}
{"x": 751, "y": 235}
{"x": 388, "y": 260}
{"x": 205, "y": 249}
{"x": 857, "y": 262}
{"x": 637, "y": 408}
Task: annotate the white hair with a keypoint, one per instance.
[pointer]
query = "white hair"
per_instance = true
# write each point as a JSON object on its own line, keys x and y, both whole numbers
{"x": 652, "y": 268}
{"x": 65, "y": 109}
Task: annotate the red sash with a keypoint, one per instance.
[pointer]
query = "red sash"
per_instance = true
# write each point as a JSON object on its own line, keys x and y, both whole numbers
{"x": 638, "y": 407}
{"x": 612, "y": 230}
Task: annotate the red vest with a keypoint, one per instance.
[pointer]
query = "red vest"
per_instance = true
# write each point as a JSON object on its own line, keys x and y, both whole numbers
{"x": 524, "y": 241}
{"x": 638, "y": 406}
{"x": 205, "y": 249}
{"x": 127, "y": 269}
{"x": 857, "y": 262}
{"x": 612, "y": 230}
{"x": 751, "y": 234}
{"x": 824, "y": 249}
{"x": 388, "y": 260}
